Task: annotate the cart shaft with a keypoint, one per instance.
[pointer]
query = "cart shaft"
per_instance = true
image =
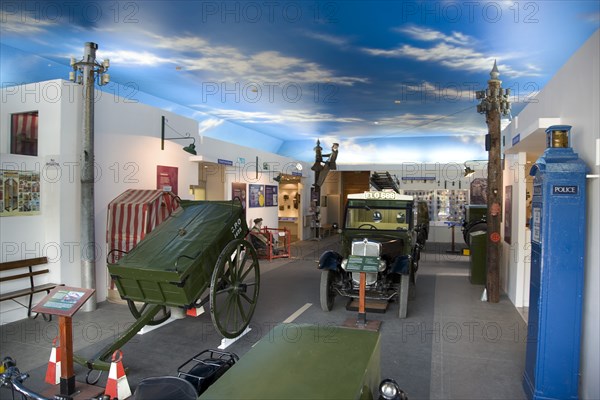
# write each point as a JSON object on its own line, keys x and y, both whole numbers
{"x": 101, "y": 360}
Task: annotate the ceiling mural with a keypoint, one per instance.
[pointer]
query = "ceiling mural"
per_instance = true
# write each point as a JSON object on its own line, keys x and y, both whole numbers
{"x": 388, "y": 80}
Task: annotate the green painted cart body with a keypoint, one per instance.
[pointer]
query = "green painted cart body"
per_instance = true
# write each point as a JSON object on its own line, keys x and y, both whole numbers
{"x": 198, "y": 255}
{"x": 173, "y": 264}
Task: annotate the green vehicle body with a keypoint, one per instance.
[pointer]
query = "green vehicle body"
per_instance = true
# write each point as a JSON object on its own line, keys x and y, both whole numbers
{"x": 299, "y": 361}
{"x": 174, "y": 263}
{"x": 382, "y": 230}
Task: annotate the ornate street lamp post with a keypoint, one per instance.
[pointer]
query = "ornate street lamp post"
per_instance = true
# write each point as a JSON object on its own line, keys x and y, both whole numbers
{"x": 494, "y": 103}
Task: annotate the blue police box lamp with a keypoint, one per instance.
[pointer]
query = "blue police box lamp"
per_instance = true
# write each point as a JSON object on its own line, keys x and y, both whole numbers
{"x": 558, "y": 226}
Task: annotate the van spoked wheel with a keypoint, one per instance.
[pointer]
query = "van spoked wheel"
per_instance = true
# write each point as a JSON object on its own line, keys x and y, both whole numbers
{"x": 234, "y": 288}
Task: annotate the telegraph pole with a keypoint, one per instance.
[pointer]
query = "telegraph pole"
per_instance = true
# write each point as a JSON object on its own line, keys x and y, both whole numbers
{"x": 85, "y": 72}
{"x": 494, "y": 103}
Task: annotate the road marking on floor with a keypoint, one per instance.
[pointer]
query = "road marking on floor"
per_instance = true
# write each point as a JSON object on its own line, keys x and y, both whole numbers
{"x": 295, "y": 315}
{"x": 292, "y": 317}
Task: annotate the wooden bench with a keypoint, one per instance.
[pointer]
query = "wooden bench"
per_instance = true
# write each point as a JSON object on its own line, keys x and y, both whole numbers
{"x": 32, "y": 289}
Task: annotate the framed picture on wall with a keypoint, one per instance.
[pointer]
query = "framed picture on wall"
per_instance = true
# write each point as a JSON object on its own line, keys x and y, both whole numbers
{"x": 238, "y": 189}
{"x": 166, "y": 178}
{"x": 256, "y": 196}
{"x": 478, "y": 191}
{"x": 19, "y": 193}
{"x": 271, "y": 193}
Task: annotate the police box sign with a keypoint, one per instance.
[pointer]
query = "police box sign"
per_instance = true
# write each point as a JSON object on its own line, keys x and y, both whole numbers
{"x": 570, "y": 189}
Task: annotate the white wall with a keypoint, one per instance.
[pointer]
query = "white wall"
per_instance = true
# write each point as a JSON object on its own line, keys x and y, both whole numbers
{"x": 127, "y": 147}
{"x": 573, "y": 95}
{"x": 514, "y": 279}
{"x": 127, "y": 151}
{"x": 211, "y": 150}
{"x": 50, "y": 233}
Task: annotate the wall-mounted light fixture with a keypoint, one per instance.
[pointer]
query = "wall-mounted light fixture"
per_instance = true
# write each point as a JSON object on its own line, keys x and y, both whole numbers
{"x": 278, "y": 178}
{"x": 468, "y": 170}
{"x": 191, "y": 148}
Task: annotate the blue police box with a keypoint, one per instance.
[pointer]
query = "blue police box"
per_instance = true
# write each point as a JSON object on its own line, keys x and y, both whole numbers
{"x": 557, "y": 249}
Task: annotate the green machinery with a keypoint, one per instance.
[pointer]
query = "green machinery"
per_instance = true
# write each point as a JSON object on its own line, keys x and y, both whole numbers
{"x": 299, "y": 361}
{"x": 199, "y": 255}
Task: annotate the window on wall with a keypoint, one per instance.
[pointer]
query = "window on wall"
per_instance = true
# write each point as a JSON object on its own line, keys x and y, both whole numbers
{"x": 24, "y": 133}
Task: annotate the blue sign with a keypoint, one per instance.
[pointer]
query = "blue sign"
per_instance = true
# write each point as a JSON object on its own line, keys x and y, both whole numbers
{"x": 418, "y": 178}
{"x": 295, "y": 173}
{"x": 571, "y": 189}
{"x": 516, "y": 139}
{"x": 224, "y": 162}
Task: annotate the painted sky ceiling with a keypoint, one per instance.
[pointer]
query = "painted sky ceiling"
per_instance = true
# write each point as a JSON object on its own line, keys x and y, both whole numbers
{"x": 388, "y": 80}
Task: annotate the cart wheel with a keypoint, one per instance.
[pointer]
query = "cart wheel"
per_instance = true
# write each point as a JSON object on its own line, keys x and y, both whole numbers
{"x": 234, "y": 288}
{"x": 159, "y": 318}
{"x": 327, "y": 294}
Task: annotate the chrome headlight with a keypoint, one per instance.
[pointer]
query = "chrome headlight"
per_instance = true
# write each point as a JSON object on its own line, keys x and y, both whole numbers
{"x": 344, "y": 263}
{"x": 389, "y": 390}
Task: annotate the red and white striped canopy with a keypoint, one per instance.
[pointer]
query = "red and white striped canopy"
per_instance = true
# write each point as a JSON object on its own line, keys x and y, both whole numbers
{"x": 132, "y": 215}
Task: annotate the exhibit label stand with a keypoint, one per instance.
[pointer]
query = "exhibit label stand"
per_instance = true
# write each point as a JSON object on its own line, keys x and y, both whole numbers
{"x": 64, "y": 302}
{"x": 362, "y": 264}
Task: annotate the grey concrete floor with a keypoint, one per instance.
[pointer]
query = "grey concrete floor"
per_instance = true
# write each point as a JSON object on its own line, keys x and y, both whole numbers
{"x": 451, "y": 346}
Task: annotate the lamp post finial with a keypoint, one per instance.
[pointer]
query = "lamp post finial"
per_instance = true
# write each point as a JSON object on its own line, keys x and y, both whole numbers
{"x": 494, "y": 74}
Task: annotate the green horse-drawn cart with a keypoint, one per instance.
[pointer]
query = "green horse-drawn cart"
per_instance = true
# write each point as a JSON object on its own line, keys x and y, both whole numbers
{"x": 198, "y": 255}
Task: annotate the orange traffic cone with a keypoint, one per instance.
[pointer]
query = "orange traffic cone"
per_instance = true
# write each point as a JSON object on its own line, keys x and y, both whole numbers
{"x": 117, "y": 386}
{"x": 53, "y": 371}
{"x": 194, "y": 311}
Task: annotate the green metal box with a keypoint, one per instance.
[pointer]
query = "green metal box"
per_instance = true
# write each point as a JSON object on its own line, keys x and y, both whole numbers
{"x": 173, "y": 264}
{"x": 477, "y": 273}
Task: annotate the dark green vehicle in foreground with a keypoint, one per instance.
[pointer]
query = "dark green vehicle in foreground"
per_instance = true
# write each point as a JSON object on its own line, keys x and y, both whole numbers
{"x": 382, "y": 234}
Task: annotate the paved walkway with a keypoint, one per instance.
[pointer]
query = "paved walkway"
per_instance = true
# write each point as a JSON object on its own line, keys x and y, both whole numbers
{"x": 451, "y": 346}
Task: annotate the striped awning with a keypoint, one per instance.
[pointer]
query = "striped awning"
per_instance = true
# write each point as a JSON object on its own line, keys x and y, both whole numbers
{"x": 132, "y": 215}
{"x": 24, "y": 133}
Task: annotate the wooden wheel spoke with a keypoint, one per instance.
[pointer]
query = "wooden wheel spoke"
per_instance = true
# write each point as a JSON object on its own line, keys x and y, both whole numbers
{"x": 241, "y": 308}
{"x": 229, "y": 271}
{"x": 248, "y": 299}
{"x": 226, "y": 279}
{"x": 228, "y": 308}
{"x": 224, "y": 290}
{"x": 250, "y": 268}
{"x": 242, "y": 265}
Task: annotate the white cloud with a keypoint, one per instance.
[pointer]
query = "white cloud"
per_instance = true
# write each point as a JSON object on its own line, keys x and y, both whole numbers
{"x": 284, "y": 117}
{"x": 428, "y": 35}
{"x": 134, "y": 58}
{"x": 454, "y": 57}
{"x": 451, "y": 51}
{"x": 436, "y": 92}
{"x": 227, "y": 63}
{"x": 208, "y": 124}
{"x": 23, "y": 24}
{"x": 322, "y": 37}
